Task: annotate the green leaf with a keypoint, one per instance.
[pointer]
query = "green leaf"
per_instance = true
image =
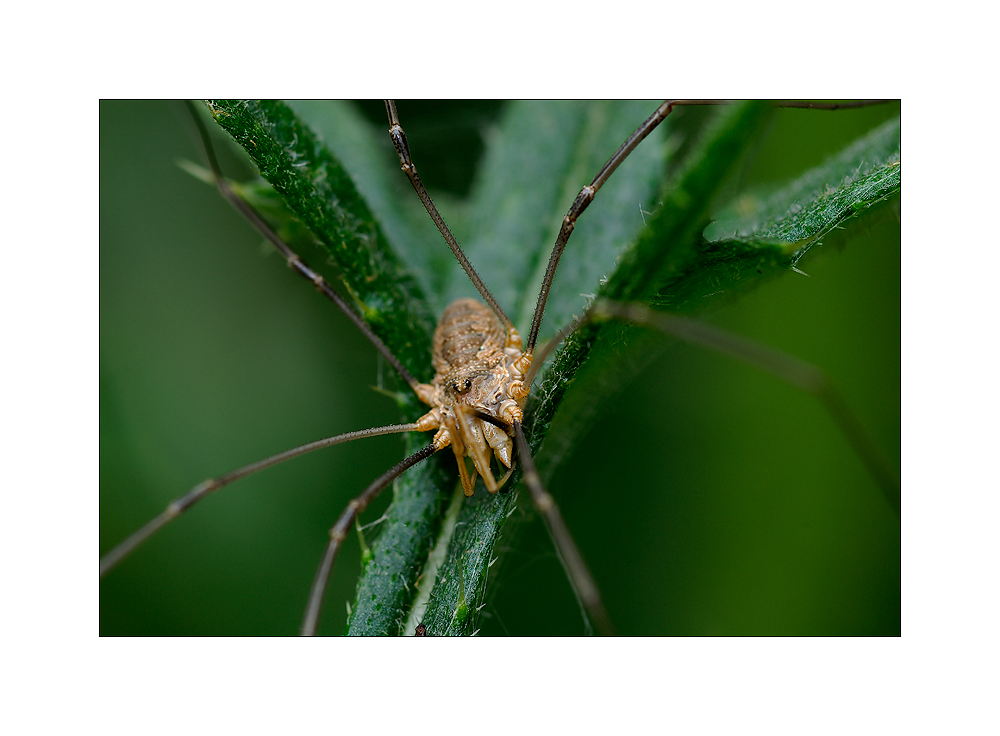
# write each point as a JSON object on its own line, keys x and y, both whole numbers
{"x": 796, "y": 216}
{"x": 319, "y": 191}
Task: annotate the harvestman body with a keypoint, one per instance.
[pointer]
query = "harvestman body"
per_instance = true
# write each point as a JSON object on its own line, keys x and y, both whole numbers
{"x": 477, "y": 396}
{"x": 478, "y": 390}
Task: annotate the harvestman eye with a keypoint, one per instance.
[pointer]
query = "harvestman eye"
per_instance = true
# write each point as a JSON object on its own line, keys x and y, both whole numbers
{"x": 513, "y": 371}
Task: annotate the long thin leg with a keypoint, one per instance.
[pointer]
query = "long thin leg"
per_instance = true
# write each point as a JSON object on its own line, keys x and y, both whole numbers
{"x": 340, "y": 530}
{"x": 797, "y": 372}
{"x": 406, "y": 164}
{"x": 293, "y": 259}
{"x": 548, "y": 348}
{"x": 583, "y": 200}
{"x": 181, "y": 504}
{"x": 587, "y": 194}
{"x": 807, "y": 105}
{"x": 580, "y": 577}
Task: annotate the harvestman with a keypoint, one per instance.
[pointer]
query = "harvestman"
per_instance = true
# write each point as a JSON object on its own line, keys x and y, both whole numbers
{"x": 499, "y": 424}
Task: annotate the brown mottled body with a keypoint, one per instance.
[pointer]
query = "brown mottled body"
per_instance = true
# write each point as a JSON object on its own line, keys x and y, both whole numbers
{"x": 478, "y": 391}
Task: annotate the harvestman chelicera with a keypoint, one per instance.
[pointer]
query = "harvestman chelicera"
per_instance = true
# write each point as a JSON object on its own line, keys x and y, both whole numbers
{"x": 500, "y": 424}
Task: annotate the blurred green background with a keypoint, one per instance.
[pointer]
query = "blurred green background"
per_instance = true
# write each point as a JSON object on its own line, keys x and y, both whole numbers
{"x": 708, "y": 498}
